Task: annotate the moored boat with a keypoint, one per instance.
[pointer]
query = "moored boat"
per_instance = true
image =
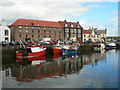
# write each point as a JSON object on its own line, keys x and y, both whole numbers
{"x": 99, "y": 47}
{"x": 29, "y": 52}
{"x": 57, "y": 49}
{"x": 110, "y": 45}
{"x": 68, "y": 51}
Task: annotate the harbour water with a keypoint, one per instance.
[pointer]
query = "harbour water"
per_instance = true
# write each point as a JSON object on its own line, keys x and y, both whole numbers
{"x": 87, "y": 70}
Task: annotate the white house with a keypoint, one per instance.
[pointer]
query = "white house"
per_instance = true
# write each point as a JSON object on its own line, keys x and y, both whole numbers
{"x": 94, "y": 35}
{"x": 4, "y": 32}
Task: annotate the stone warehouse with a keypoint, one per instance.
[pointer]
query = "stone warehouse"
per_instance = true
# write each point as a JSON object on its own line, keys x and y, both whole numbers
{"x": 23, "y": 29}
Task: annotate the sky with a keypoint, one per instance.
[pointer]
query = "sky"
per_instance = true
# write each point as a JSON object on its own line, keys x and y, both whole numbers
{"x": 101, "y": 14}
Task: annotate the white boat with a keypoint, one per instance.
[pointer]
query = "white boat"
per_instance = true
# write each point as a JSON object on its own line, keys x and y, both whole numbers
{"x": 99, "y": 47}
{"x": 110, "y": 45}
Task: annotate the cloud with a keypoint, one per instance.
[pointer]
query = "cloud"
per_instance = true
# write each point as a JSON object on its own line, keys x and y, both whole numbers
{"x": 7, "y": 3}
{"x": 44, "y": 10}
{"x": 114, "y": 19}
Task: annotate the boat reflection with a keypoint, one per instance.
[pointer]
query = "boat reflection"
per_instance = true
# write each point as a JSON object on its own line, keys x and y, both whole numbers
{"x": 61, "y": 66}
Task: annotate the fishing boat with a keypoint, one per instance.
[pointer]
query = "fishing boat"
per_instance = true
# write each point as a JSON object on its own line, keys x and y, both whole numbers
{"x": 99, "y": 47}
{"x": 110, "y": 45}
{"x": 69, "y": 49}
{"x": 33, "y": 51}
{"x": 57, "y": 49}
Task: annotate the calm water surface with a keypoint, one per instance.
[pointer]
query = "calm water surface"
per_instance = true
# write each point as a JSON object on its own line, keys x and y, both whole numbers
{"x": 92, "y": 70}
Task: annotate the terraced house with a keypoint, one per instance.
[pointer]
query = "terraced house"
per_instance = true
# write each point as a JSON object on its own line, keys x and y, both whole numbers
{"x": 72, "y": 29}
{"x": 94, "y": 34}
{"x": 23, "y": 29}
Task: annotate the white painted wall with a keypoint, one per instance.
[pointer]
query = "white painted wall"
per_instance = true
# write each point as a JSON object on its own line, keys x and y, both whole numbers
{"x": 4, "y": 27}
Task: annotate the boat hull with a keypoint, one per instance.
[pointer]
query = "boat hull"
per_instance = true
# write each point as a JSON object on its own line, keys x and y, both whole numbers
{"x": 68, "y": 51}
{"x": 57, "y": 50}
{"x": 29, "y": 55}
{"x": 110, "y": 47}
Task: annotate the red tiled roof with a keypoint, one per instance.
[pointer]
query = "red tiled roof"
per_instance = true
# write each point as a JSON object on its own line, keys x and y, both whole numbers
{"x": 31, "y": 22}
{"x": 75, "y": 24}
{"x": 86, "y": 32}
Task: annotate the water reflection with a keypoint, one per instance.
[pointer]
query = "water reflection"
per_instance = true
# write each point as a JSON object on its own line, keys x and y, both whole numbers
{"x": 37, "y": 68}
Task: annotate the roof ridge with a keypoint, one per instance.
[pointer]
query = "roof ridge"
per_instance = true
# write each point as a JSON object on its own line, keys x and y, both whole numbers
{"x": 38, "y": 20}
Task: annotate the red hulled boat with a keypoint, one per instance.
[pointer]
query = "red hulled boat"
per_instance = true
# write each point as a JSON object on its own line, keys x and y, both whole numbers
{"x": 57, "y": 49}
{"x": 29, "y": 52}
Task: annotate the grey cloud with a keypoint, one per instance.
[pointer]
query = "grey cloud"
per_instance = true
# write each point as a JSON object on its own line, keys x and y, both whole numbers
{"x": 8, "y": 3}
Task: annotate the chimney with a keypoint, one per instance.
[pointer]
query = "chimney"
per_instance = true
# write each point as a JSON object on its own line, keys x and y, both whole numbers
{"x": 3, "y": 22}
{"x": 78, "y": 22}
{"x": 65, "y": 21}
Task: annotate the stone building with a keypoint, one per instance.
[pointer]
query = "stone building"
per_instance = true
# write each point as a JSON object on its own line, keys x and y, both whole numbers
{"x": 94, "y": 35}
{"x": 4, "y": 32}
{"x": 72, "y": 29}
{"x": 23, "y": 29}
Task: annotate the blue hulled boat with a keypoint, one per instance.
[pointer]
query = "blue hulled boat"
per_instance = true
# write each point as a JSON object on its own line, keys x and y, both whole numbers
{"x": 68, "y": 51}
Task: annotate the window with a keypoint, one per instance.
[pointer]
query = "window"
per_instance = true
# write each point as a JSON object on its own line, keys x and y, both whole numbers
{"x": 78, "y": 26}
{"x": 44, "y": 36}
{"x": 54, "y": 28}
{"x": 38, "y": 31}
{"x": 6, "y": 38}
{"x": 44, "y": 31}
{"x": 66, "y": 30}
{"x": 26, "y": 30}
{"x": 38, "y": 35}
{"x": 32, "y": 31}
{"x": 79, "y": 31}
{"x": 84, "y": 35}
{"x": 38, "y": 24}
{"x": 49, "y": 31}
{"x": 79, "y": 35}
{"x": 71, "y": 25}
{"x": 20, "y": 30}
{"x": 26, "y": 35}
{"x": 66, "y": 25}
{"x": 49, "y": 36}
{"x": 38, "y": 27}
{"x": 49, "y": 28}
{"x": 71, "y": 30}
{"x": 6, "y": 32}
{"x": 20, "y": 26}
{"x": 54, "y": 25}
{"x": 44, "y": 28}
{"x": 32, "y": 35}
{"x": 20, "y": 36}
{"x": 74, "y": 30}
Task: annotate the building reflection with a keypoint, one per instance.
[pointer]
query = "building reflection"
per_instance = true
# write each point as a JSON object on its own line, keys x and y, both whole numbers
{"x": 61, "y": 66}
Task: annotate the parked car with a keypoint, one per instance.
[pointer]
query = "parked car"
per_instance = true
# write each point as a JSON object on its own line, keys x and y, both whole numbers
{"x": 12, "y": 43}
{"x": 18, "y": 43}
{"x": 5, "y": 43}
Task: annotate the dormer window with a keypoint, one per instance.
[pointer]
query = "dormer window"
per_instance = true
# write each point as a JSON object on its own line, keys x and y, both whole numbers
{"x": 32, "y": 24}
{"x": 71, "y": 25}
{"x": 38, "y": 25}
{"x": 78, "y": 26}
{"x": 66, "y": 25}
{"x": 54, "y": 25}
{"x": 26, "y": 24}
{"x": 19, "y": 23}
